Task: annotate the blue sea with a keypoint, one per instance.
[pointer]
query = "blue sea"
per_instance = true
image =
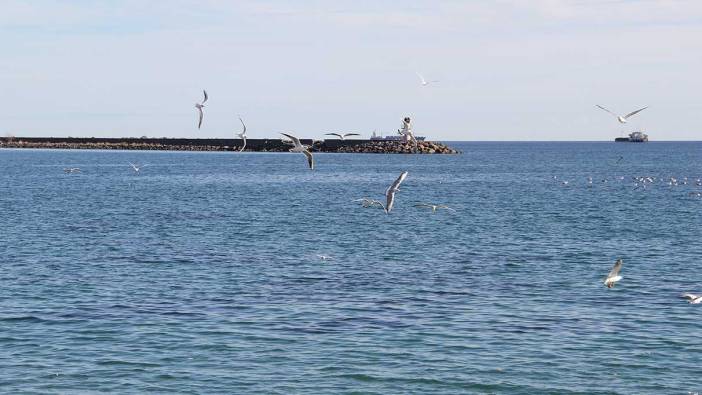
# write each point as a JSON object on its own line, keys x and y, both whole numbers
{"x": 201, "y": 273}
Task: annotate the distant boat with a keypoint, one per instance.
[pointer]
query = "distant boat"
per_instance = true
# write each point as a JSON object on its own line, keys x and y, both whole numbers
{"x": 635, "y": 137}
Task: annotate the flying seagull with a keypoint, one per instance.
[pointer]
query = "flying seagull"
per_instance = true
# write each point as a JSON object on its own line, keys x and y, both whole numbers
{"x": 434, "y": 207}
{"x": 692, "y": 298}
{"x": 423, "y": 81}
{"x": 242, "y": 135}
{"x": 613, "y": 275}
{"x": 71, "y": 170}
{"x": 342, "y": 136}
{"x": 367, "y": 202}
{"x": 392, "y": 189}
{"x": 623, "y": 119}
{"x": 136, "y": 167}
{"x": 301, "y": 148}
{"x": 199, "y": 107}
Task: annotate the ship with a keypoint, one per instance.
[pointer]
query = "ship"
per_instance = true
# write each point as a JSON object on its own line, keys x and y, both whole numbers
{"x": 375, "y": 137}
{"x": 635, "y": 137}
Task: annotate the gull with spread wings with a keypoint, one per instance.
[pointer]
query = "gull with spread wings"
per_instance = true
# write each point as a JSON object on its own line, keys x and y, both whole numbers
{"x": 622, "y": 119}
{"x": 342, "y": 136}
{"x": 613, "y": 275}
{"x": 304, "y": 149}
{"x": 242, "y": 135}
{"x": 199, "y": 107}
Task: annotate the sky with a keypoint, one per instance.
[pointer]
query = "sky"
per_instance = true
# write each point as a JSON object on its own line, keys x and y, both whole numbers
{"x": 507, "y": 69}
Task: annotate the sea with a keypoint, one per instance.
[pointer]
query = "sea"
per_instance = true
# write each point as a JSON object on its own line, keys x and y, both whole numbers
{"x": 201, "y": 273}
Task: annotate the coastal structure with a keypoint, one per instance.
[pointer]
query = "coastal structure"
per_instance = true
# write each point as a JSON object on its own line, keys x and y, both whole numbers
{"x": 635, "y": 137}
{"x": 251, "y": 145}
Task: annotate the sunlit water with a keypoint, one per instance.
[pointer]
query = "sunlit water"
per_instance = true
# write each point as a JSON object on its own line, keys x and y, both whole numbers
{"x": 201, "y": 274}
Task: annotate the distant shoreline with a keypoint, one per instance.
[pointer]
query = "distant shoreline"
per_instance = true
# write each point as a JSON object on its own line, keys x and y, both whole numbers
{"x": 252, "y": 145}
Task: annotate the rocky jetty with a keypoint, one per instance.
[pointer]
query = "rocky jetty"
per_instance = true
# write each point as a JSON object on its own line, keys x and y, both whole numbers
{"x": 398, "y": 147}
{"x": 253, "y": 145}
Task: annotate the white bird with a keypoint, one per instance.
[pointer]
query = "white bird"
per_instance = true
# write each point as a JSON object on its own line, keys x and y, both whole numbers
{"x": 367, "y": 202}
{"x": 342, "y": 136}
{"x": 613, "y": 275}
{"x": 325, "y": 257}
{"x": 423, "y": 81}
{"x": 692, "y": 298}
{"x": 199, "y": 107}
{"x": 136, "y": 167}
{"x": 434, "y": 207}
{"x": 301, "y": 148}
{"x": 623, "y": 119}
{"x": 71, "y": 170}
{"x": 242, "y": 135}
{"x": 392, "y": 189}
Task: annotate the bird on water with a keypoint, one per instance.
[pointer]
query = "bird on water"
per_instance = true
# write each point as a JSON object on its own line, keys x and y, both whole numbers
{"x": 613, "y": 275}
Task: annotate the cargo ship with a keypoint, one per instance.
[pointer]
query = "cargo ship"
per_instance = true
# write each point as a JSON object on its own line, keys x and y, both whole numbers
{"x": 635, "y": 137}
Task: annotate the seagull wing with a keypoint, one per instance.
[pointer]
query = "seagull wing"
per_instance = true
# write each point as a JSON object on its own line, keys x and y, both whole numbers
{"x": 615, "y": 269}
{"x": 294, "y": 139}
{"x": 396, "y": 185}
{"x": 310, "y": 159}
{"x": 351, "y": 134}
{"x": 242, "y": 124}
{"x": 334, "y": 134}
{"x": 599, "y": 106}
{"x": 243, "y": 146}
{"x": 446, "y": 207}
{"x": 689, "y": 296}
{"x": 421, "y": 78}
{"x": 199, "y": 123}
{"x": 390, "y": 201}
{"x": 133, "y": 166}
{"x": 424, "y": 205}
{"x": 634, "y": 112}
{"x": 205, "y": 93}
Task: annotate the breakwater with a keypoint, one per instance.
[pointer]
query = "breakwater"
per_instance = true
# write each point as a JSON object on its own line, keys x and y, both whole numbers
{"x": 252, "y": 145}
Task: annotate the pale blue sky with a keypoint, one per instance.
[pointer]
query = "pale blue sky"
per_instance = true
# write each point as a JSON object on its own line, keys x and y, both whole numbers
{"x": 508, "y": 70}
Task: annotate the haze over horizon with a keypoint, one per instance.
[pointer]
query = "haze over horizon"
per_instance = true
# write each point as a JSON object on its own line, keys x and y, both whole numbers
{"x": 507, "y": 70}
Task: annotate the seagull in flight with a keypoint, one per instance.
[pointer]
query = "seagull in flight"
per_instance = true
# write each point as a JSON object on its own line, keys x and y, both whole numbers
{"x": 367, "y": 202}
{"x": 423, "y": 81}
{"x": 613, "y": 275}
{"x": 242, "y": 135}
{"x": 199, "y": 107}
{"x": 137, "y": 167}
{"x": 342, "y": 136}
{"x": 623, "y": 119}
{"x": 434, "y": 207}
{"x": 390, "y": 192}
{"x": 692, "y": 298}
{"x": 301, "y": 148}
{"x": 71, "y": 170}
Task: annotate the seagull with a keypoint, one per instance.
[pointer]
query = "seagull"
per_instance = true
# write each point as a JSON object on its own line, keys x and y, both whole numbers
{"x": 136, "y": 167}
{"x": 613, "y": 275}
{"x": 434, "y": 207}
{"x": 242, "y": 135}
{"x": 367, "y": 202}
{"x": 325, "y": 257}
{"x": 390, "y": 192}
{"x": 71, "y": 170}
{"x": 301, "y": 148}
{"x": 342, "y": 136}
{"x": 623, "y": 119}
{"x": 423, "y": 81}
{"x": 199, "y": 107}
{"x": 692, "y": 298}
